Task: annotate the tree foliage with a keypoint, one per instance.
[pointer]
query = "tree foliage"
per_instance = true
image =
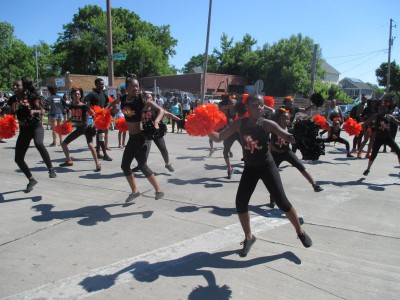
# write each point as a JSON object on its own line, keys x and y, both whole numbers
{"x": 381, "y": 74}
{"x": 148, "y": 47}
{"x": 16, "y": 58}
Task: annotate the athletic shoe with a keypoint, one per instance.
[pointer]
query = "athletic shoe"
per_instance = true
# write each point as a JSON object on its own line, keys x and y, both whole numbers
{"x": 349, "y": 155}
{"x": 67, "y": 164}
{"x": 132, "y": 197}
{"x": 52, "y": 174}
{"x": 3, "y": 142}
{"x": 305, "y": 240}
{"x": 211, "y": 152}
{"x": 271, "y": 204}
{"x": 100, "y": 155}
{"x": 366, "y": 172}
{"x": 230, "y": 173}
{"x": 318, "y": 188}
{"x": 169, "y": 167}
{"x": 52, "y": 145}
{"x": 30, "y": 185}
{"x": 107, "y": 158}
{"x": 159, "y": 195}
{"x": 136, "y": 169}
{"x": 247, "y": 244}
{"x": 98, "y": 169}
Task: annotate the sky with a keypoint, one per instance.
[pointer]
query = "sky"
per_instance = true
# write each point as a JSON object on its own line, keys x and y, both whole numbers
{"x": 353, "y": 35}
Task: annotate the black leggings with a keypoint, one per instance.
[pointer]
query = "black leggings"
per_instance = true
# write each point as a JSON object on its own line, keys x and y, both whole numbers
{"x": 135, "y": 148}
{"x": 269, "y": 174}
{"x": 160, "y": 143}
{"x": 77, "y": 133}
{"x": 290, "y": 157}
{"x": 384, "y": 141}
{"x": 26, "y": 134}
{"x": 338, "y": 140}
{"x": 229, "y": 142}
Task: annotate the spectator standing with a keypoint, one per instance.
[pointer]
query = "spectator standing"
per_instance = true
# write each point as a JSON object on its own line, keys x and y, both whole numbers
{"x": 176, "y": 109}
{"x": 56, "y": 107}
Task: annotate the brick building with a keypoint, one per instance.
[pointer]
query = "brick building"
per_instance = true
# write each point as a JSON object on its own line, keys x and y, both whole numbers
{"x": 215, "y": 83}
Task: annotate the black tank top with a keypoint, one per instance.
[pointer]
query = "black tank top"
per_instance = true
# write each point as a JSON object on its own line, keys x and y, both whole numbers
{"x": 255, "y": 144}
{"x": 78, "y": 113}
{"x": 382, "y": 127}
{"x": 136, "y": 105}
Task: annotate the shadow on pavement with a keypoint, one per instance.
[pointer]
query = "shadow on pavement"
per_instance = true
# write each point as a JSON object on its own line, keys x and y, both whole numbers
{"x": 190, "y": 265}
{"x": 91, "y": 215}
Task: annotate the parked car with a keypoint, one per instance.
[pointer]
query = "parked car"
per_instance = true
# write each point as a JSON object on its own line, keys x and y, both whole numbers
{"x": 346, "y": 109}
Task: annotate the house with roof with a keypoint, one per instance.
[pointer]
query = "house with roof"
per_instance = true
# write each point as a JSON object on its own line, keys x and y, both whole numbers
{"x": 331, "y": 74}
{"x": 354, "y": 88}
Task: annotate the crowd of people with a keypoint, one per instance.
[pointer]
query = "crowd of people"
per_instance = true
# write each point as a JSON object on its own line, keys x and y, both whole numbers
{"x": 264, "y": 134}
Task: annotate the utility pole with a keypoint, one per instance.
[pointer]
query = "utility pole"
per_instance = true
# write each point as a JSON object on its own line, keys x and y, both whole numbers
{"x": 314, "y": 67}
{"x": 203, "y": 85}
{"x": 389, "y": 52}
{"x": 110, "y": 46}
{"x": 37, "y": 67}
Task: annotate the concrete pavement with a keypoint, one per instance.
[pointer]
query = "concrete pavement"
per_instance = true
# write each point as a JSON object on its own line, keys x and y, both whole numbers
{"x": 73, "y": 237}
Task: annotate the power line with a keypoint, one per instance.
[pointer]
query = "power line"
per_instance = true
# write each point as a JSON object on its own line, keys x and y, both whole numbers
{"x": 361, "y": 63}
{"x": 371, "y": 52}
{"x": 357, "y": 58}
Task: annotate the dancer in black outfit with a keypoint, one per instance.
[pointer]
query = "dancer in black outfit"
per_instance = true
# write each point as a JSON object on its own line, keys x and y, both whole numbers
{"x": 26, "y": 105}
{"x": 148, "y": 118}
{"x": 334, "y": 136}
{"x": 281, "y": 151}
{"x": 258, "y": 164}
{"x": 132, "y": 106}
{"x": 99, "y": 98}
{"x": 382, "y": 137}
{"x": 78, "y": 114}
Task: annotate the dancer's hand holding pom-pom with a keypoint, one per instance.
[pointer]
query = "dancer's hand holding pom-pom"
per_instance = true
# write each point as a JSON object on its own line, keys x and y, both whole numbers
{"x": 103, "y": 118}
{"x": 319, "y": 120}
{"x": 352, "y": 127}
{"x": 120, "y": 124}
{"x": 204, "y": 120}
{"x": 63, "y": 129}
{"x": 8, "y": 127}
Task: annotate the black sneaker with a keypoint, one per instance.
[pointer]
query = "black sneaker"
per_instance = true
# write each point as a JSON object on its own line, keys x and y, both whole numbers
{"x": 100, "y": 155}
{"x": 30, "y": 185}
{"x": 107, "y": 158}
{"x": 366, "y": 172}
{"x": 67, "y": 164}
{"x": 169, "y": 167}
{"x": 230, "y": 173}
{"x": 318, "y": 188}
{"x": 52, "y": 174}
{"x": 349, "y": 155}
{"x": 159, "y": 195}
{"x": 98, "y": 169}
{"x": 247, "y": 244}
{"x": 136, "y": 169}
{"x": 305, "y": 240}
{"x": 132, "y": 196}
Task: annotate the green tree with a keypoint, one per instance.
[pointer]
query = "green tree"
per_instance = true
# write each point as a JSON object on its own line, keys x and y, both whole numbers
{"x": 82, "y": 47}
{"x": 286, "y": 66}
{"x": 198, "y": 61}
{"x": 16, "y": 58}
{"x": 381, "y": 75}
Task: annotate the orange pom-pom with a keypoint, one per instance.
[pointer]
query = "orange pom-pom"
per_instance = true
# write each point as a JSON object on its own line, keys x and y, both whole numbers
{"x": 103, "y": 119}
{"x": 325, "y": 127}
{"x": 319, "y": 120}
{"x": 64, "y": 128}
{"x": 244, "y": 98}
{"x": 205, "y": 119}
{"x": 269, "y": 101}
{"x": 120, "y": 124}
{"x": 8, "y": 127}
{"x": 352, "y": 127}
{"x": 97, "y": 109}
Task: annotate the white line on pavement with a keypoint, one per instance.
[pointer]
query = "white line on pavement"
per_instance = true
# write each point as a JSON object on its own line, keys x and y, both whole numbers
{"x": 72, "y": 287}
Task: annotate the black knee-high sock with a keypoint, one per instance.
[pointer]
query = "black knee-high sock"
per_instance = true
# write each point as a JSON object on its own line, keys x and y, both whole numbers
{"x": 103, "y": 147}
